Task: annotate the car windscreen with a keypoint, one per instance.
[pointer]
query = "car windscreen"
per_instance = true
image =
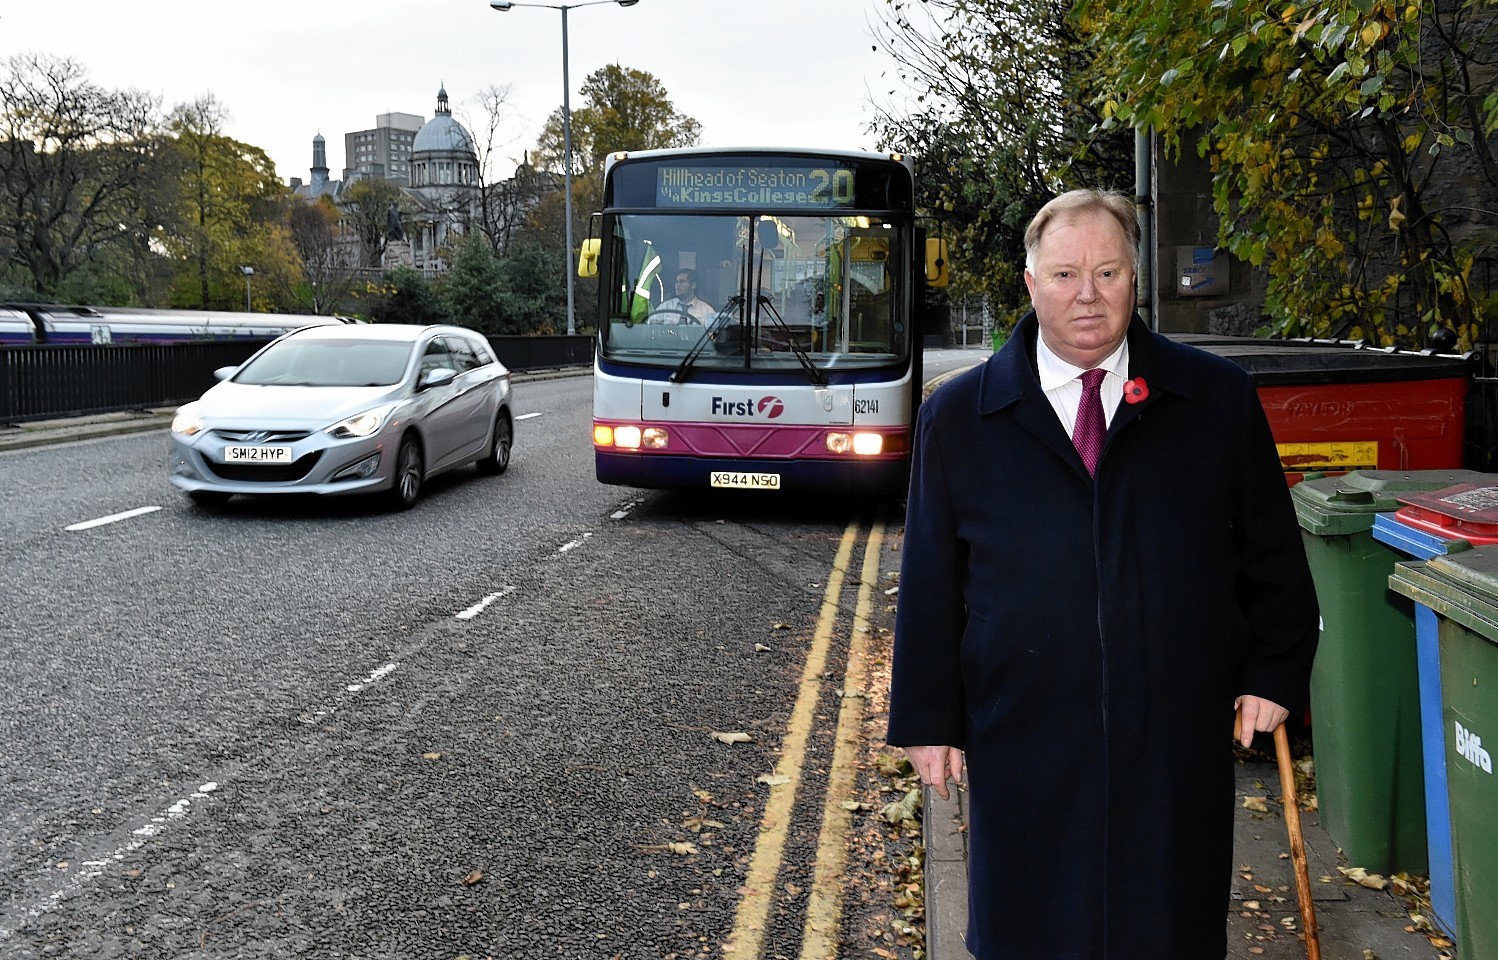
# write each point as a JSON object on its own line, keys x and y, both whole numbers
{"x": 327, "y": 363}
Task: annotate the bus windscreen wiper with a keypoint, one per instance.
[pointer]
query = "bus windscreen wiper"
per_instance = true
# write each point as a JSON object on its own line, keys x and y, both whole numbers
{"x": 812, "y": 373}
{"x": 684, "y": 368}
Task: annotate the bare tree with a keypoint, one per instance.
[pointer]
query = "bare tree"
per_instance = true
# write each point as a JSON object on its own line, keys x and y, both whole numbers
{"x": 327, "y": 277}
{"x": 504, "y": 201}
{"x": 78, "y": 178}
{"x": 999, "y": 119}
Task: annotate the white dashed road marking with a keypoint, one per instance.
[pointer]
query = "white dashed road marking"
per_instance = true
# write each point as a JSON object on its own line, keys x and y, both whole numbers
{"x": 379, "y": 673}
{"x": 478, "y": 608}
{"x": 112, "y": 518}
{"x": 92, "y": 869}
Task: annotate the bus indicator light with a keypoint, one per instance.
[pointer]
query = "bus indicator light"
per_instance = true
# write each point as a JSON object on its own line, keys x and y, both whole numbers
{"x": 630, "y": 437}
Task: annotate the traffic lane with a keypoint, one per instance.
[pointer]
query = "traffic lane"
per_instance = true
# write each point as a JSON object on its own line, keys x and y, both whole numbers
{"x": 555, "y": 750}
{"x": 49, "y": 487}
{"x": 55, "y": 485}
{"x": 137, "y": 649}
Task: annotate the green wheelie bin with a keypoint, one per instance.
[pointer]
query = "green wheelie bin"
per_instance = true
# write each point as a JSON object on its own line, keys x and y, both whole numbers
{"x": 1365, "y": 700}
{"x": 1462, "y": 589}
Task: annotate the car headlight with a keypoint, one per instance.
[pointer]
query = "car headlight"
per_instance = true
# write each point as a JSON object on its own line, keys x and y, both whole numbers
{"x": 360, "y": 424}
{"x": 187, "y": 423}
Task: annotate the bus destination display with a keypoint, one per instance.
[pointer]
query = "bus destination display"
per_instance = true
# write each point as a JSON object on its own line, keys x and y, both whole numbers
{"x": 813, "y": 188}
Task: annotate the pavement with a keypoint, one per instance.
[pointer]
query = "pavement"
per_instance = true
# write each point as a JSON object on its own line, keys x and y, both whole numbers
{"x": 1263, "y": 914}
{"x": 40, "y": 433}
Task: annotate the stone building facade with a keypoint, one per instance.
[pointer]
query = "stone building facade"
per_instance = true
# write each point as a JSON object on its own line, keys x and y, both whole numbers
{"x": 436, "y": 165}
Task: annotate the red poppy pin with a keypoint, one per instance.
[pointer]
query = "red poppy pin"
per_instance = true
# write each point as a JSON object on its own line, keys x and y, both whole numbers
{"x": 1135, "y": 390}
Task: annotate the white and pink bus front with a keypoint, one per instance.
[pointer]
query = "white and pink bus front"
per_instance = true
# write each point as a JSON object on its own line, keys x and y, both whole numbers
{"x": 757, "y": 321}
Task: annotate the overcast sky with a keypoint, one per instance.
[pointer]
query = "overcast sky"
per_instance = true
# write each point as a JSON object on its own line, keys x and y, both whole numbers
{"x": 752, "y": 72}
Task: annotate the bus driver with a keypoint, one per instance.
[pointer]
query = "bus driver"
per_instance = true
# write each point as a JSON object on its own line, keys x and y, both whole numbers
{"x": 685, "y": 307}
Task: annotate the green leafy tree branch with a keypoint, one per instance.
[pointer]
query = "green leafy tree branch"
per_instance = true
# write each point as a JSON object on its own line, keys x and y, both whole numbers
{"x": 1350, "y": 143}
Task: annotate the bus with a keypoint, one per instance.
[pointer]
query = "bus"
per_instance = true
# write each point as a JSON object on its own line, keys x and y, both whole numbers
{"x": 760, "y": 319}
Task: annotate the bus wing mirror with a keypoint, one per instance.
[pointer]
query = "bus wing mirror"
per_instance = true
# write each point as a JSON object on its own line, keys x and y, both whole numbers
{"x": 936, "y": 262}
{"x": 587, "y": 261}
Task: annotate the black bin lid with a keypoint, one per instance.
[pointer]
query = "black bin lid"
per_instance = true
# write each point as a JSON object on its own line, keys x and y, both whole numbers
{"x": 1295, "y": 362}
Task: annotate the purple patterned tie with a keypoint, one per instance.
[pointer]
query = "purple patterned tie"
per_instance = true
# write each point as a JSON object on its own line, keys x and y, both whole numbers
{"x": 1087, "y": 435}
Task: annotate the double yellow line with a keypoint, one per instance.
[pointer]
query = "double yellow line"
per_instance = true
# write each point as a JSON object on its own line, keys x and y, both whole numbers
{"x": 819, "y": 939}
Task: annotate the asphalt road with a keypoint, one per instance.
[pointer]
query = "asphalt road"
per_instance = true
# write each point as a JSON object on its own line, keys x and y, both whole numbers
{"x": 483, "y": 728}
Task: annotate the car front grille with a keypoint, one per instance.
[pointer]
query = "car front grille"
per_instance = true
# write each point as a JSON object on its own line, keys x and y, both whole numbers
{"x": 262, "y": 436}
{"x": 266, "y": 472}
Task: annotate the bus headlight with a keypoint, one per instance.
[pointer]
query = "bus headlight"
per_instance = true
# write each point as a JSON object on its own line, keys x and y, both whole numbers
{"x": 630, "y": 437}
{"x": 858, "y": 444}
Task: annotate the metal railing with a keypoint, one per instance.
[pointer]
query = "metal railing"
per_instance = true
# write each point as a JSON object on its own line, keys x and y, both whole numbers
{"x": 47, "y": 381}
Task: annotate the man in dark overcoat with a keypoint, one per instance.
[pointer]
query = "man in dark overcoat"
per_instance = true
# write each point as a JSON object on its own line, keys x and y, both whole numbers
{"x": 1079, "y": 618}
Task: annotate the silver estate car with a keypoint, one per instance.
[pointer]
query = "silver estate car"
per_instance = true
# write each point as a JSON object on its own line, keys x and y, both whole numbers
{"x": 366, "y": 408}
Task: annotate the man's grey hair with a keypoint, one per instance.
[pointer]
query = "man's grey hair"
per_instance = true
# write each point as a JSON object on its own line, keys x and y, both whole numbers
{"x": 1074, "y": 203}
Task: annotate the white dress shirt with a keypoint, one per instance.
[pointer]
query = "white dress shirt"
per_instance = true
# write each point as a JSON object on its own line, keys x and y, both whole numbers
{"x": 670, "y": 311}
{"x": 1059, "y": 381}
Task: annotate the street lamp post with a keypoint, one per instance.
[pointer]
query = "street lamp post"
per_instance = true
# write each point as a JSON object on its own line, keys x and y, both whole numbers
{"x": 248, "y": 273}
{"x": 503, "y": 6}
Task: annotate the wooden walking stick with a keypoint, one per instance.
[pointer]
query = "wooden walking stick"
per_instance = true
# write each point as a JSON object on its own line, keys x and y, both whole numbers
{"x": 1297, "y": 838}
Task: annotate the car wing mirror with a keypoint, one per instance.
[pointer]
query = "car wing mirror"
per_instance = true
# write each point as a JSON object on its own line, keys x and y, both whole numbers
{"x": 436, "y": 377}
{"x": 224, "y": 373}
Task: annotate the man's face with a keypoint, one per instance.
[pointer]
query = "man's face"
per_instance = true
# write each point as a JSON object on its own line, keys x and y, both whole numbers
{"x": 685, "y": 288}
{"x": 1082, "y": 287}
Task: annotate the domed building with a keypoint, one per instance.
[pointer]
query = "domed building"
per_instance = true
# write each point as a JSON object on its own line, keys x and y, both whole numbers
{"x": 442, "y": 153}
{"x": 446, "y": 187}
{"x": 435, "y": 165}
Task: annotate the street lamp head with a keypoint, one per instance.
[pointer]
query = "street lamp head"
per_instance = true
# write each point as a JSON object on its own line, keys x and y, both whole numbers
{"x": 503, "y": 6}
{"x": 247, "y": 271}
{"x": 626, "y": 3}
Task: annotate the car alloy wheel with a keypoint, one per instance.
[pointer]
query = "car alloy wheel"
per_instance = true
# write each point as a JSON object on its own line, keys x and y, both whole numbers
{"x": 408, "y": 474}
{"x": 497, "y": 460}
